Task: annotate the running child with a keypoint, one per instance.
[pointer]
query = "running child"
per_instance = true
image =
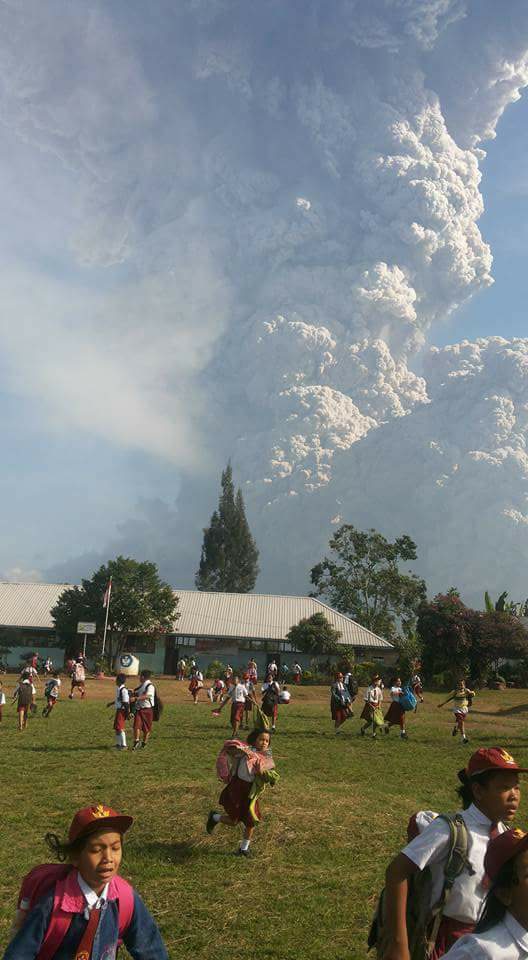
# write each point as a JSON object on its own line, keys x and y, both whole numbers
{"x": 462, "y": 697}
{"x": 237, "y": 694}
{"x": 270, "y": 699}
{"x": 121, "y": 705}
{"x": 252, "y": 671}
{"x": 502, "y": 930}
{"x": 490, "y": 794}
{"x": 296, "y": 672}
{"x": 250, "y": 768}
{"x": 144, "y": 700}
{"x": 216, "y": 690}
{"x": 195, "y": 684}
{"x": 24, "y": 694}
{"x": 82, "y": 908}
{"x": 395, "y": 715}
{"x": 340, "y": 702}
{"x": 371, "y": 712}
{"x": 51, "y": 692}
{"x": 78, "y": 677}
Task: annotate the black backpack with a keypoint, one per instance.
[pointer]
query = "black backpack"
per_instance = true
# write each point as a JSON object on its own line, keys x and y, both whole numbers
{"x": 352, "y": 686}
{"x": 271, "y": 697}
{"x": 157, "y": 709}
{"x": 25, "y": 695}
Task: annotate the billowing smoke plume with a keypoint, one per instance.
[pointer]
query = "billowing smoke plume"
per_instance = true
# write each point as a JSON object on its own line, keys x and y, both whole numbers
{"x": 273, "y": 205}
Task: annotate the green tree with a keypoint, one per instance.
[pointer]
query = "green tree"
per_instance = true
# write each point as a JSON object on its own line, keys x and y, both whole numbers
{"x": 364, "y": 581}
{"x": 314, "y": 634}
{"x": 229, "y": 560}
{"x": 140, "y": 603}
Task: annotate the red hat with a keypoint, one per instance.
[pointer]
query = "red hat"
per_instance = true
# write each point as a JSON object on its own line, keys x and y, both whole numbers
{"x": 503, "y": 848}
{"x": 492, "y": 758}
{"x": 90, "y": 819}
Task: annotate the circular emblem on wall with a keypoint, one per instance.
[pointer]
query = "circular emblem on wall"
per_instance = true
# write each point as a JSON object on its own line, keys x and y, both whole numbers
{"x": 126, "y": 660}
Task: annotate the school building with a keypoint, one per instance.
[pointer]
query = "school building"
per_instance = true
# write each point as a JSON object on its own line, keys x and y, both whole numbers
{"x": 229, "y": 627}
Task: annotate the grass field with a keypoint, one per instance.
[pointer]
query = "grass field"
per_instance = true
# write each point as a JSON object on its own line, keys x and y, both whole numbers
{"x": 319, "y": 855}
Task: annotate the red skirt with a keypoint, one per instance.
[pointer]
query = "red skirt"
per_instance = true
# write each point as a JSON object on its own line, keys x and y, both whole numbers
{"x": 143, "y": 720}
{"x": 367, "y": 712}
{"x": 235, "y": 801}
{"x": 237, "y": 712}
{"x": 271, "y": 711}
{"x": 394, "y": 713}
{"x": 450, "y": 931}
{"x": 296, "y": 677}
{"x": 340, "y": 714}
{"x": 120, "y": 720}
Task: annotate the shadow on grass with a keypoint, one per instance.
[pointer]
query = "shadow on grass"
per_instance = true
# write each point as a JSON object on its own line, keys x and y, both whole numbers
{"x": 175, "y": 852}
{"x": 510, "y": 712}
{"x": 52, "y": 749}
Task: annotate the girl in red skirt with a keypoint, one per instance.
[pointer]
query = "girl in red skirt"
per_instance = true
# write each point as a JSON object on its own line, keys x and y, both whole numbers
{"x": 340, "y": 702}
{"x": 395, "y": 715}
{"x": 196, "y": 684}
{"x": 250, "y": 767}
{"x": 121, "y": 705}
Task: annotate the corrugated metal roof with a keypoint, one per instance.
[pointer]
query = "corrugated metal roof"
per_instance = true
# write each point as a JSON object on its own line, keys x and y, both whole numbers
{"x": 236, "y": 615}
{"x": 28, "y": 604}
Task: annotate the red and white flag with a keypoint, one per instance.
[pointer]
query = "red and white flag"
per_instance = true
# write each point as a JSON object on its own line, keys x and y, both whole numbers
{"x": 108, "y": 591}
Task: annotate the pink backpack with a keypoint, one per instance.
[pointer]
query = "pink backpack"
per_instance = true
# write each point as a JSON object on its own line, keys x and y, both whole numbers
{"x": 68, "y": 900}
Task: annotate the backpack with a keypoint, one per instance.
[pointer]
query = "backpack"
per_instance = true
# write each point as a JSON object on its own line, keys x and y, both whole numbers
{"x": 25, "y": 695}
{"x": 407, "y": 699}
{"x": 271, "y": 697}
{"x": 423, "y": 921}
{"x": 157, "y": 709}
{"x": 55, "y": 876}
{"x": 352, "y": 686}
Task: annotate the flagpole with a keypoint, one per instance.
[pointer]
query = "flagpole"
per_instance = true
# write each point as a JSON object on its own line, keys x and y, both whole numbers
{"x": 109, "y": 590}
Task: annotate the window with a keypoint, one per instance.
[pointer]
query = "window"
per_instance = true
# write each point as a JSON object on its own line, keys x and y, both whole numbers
{"x": 135, "y": 643}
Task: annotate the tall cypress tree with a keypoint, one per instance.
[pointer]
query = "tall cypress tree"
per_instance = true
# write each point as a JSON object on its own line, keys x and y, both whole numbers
{"x": 229, "y": 561}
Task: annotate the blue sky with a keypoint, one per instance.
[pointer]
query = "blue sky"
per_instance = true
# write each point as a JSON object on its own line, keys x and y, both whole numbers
{"x": 500, "y": 310}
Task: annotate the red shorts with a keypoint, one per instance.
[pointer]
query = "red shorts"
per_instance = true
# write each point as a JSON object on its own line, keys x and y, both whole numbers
{"x": 449, "y": 932}
{"x": 143, "y": 720}
{"x": 296, "y": 677}
{"x": 237, "y": 712}
{"x": 235, "y": 801}
{"x": 120, "y": 720}
{"x": 52, "y": 701}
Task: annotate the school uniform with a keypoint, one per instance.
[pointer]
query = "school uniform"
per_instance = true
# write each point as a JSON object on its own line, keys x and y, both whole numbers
{"x": 52, "y": 691}
{"x": 507, "y": 940}
{"x": 340, "y": 701}
{"x": 238, "y": 694}
{"x": 270, "y": 700}
{"x": 373, "y": 698}
{"x": 395, "y": 713}
{"x": 122, "y": 708}
{"x": 19, "y": 695}
{"x": 297, "y": 673}
{"x": 248, "y": 705}
{"x": 141, "y": 938}
{"x": 144, "y": 712}
{"x": 430, "y": 849}
{"x": 235, "y": 797}
{"x": 196, "y": 682}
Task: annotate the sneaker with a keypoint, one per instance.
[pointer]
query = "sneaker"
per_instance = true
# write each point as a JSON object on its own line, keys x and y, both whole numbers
{"x": 455, "y": 731}
{"x": 465, "y": 739}
{"x": 374, "y": 735}
{"x": 242, "y": 853}
{"x": 387, "y": 730}
{"x": 404, "y": 735}
{"x": 137, "y": 745}
{"x": 143, "y": 744}
{"x": 211, "y": 822}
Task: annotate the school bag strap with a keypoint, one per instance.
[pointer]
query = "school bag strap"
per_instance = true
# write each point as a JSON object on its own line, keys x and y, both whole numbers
{"x": 457, "y": 862}
{"x": 68, "y": 899}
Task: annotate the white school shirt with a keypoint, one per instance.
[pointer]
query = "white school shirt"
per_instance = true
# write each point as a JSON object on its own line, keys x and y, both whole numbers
{"x": 430, "y": 848}
{"x": 395, "y": 694}
{"x": 505, "y": 941}
{"x": 145, "y": 695}
{"x": 53, "y": 687}
{"x": 92, "y": 898}
{"x": 239, "y": 693}
{"x": 2, "y": 699}
{"x": 122, "y": 696}
{"x": 374, "y": 695}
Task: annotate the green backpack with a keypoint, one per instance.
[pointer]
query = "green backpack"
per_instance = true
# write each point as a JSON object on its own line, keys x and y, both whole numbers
{"x": 423, "y": 921}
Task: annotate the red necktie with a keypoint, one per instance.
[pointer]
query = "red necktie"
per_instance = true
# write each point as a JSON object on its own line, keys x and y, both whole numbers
{"x": 84, "y": 950}
{"x": 493, "y": 832}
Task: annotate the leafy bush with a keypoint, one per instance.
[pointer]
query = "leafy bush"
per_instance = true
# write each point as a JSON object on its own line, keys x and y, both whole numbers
{"x": 215, "y": 669}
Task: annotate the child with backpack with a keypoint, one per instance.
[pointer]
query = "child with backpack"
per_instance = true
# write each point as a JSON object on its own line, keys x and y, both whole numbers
{"x": 502, "y": 930}
{"x": 145, "y": 699}
{"x": 340, "y": 702}
{"x": 270, "y": 699}
{"x": 436, "y": 886}
{"x": 82, "y": 908}
{"x": 395, "y": 715}
{"x": 371, "y": 712}
{"x": 121, "y": 705}
{"x": 24, "y": 694}
{"x": 246, "y": 768}
{"x": 462, "y": 698}
{"x": 195, "y": 684}
{"x": 51, "y": 692}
